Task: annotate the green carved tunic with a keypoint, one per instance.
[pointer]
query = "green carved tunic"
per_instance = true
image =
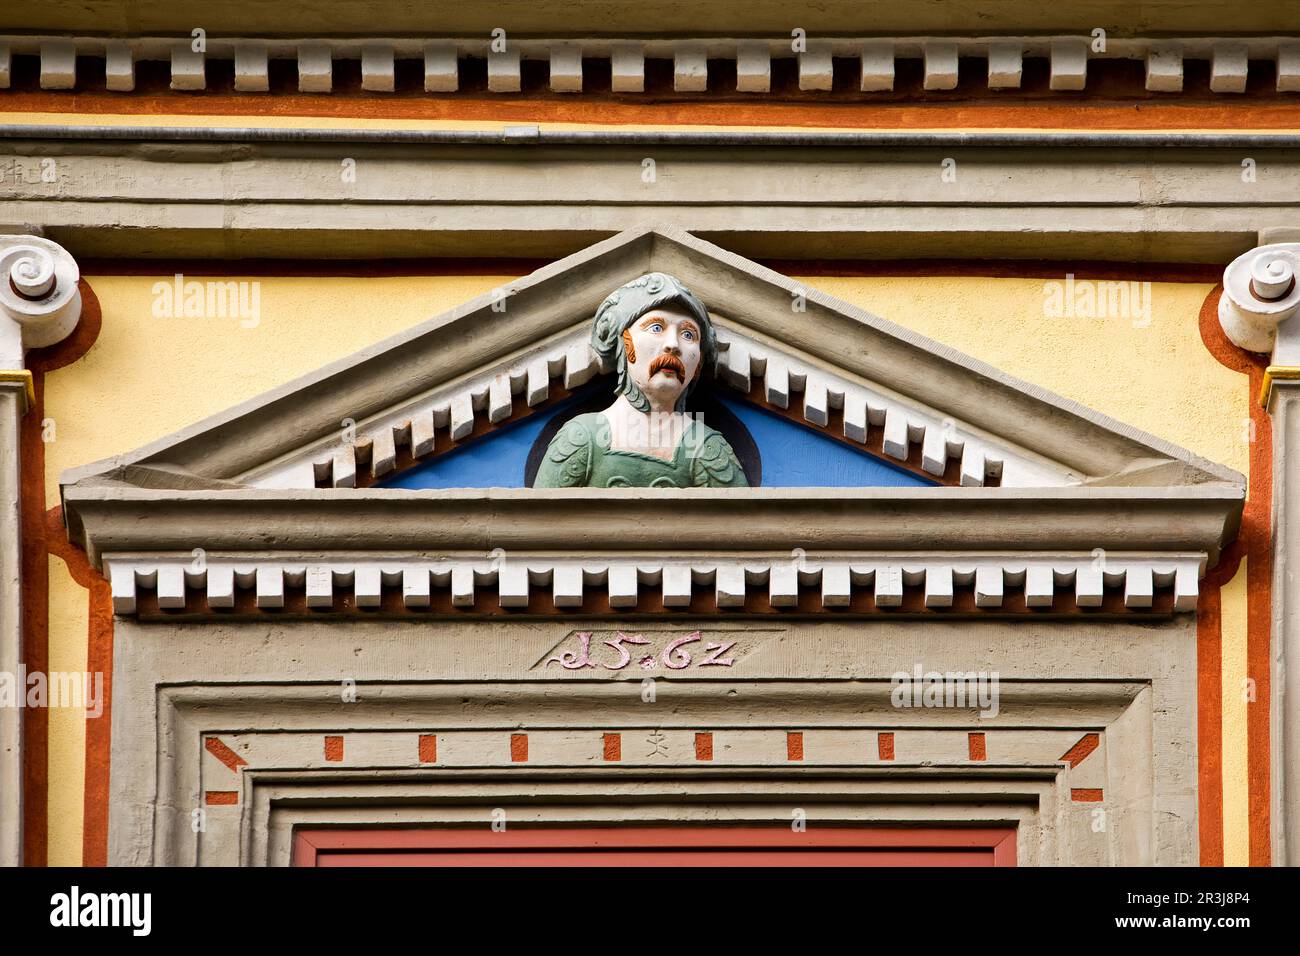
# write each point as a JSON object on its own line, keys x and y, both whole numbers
{"x": 579, "y": 456}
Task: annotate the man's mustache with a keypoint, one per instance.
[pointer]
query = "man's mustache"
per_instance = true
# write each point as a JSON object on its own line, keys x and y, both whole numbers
{"x": 667, "y": 362}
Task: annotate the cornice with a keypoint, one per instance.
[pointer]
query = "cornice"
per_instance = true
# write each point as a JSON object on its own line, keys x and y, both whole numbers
{"x": 115, "y": 518}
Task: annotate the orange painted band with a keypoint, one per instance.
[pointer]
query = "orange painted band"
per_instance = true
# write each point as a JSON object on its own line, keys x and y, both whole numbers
{"x": 1088, "y": 111}
{"x": 1255, "y": 543}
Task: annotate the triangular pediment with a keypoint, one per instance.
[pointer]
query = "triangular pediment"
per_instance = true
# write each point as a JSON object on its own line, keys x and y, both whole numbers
{"x": 293, "y": 500}
{"x": 793, "y": 350}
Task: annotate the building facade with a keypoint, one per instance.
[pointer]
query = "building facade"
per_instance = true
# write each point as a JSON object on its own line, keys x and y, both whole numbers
{"x": 979, "y": 554}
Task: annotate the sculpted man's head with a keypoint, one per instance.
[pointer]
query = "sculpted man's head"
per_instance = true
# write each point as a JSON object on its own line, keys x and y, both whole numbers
{"x": 659, "y": 337}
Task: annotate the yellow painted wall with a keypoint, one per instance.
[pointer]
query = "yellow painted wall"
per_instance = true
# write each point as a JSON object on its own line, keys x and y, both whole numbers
{"x": 1156, "y": 376}
{"x": 112, "y": 401}
{"x": 1236, "y": 842}
{"x": 69, "y": 620}
{"x": 148, "y": 376}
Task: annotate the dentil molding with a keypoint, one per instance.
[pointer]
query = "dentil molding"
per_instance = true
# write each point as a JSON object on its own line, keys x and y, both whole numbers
{"x": 568, "y": 57}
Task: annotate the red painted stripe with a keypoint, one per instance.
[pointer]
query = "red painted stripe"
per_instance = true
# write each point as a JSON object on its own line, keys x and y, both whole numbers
{"x": 668, "y": 837}
{"x": 1086, "y": 745}
{"x": 428, "y": 748}
{"x": 1085, "y": 796}
{"x": 794, "y": 745}
{"x": 885, "y": 745}
{"x": 519, "y": 748}
{"x": 221, "y": 798}
{"x": 704, "y": 746}
{"x": 975, "y": 744}
{"x": 223, "y": 753}
{"x": 613, "y": 746}
{"x": 334, "y": 749}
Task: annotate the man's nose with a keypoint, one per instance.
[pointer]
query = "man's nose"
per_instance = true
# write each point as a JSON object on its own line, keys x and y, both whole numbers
{"x": 670, "y": 342}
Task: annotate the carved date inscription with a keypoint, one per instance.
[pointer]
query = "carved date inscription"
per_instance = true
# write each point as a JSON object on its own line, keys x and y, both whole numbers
{"x": 675, "y": 652}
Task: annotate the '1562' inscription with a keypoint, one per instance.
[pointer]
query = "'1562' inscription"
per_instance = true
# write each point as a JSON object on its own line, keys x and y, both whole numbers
{"x": 674, "y": 652}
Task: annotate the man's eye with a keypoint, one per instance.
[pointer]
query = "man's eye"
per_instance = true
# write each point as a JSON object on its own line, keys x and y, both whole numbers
{"x": 688, "y": 335}
{"x": 655, "y": 327}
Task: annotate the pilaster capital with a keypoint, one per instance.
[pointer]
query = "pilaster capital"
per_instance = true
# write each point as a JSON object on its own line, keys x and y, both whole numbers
{"x": 40, "y": 302}
{"x": 1259, "y": 294}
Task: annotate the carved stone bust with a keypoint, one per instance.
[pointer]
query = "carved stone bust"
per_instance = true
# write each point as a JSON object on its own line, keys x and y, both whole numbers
{"x": 659, "y": 336}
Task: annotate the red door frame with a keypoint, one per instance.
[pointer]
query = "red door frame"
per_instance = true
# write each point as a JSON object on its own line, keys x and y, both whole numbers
{"x": 658, "y": 846}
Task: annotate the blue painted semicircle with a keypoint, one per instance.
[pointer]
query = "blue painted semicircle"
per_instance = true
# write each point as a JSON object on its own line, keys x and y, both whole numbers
{"x": 792, "y": 455}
